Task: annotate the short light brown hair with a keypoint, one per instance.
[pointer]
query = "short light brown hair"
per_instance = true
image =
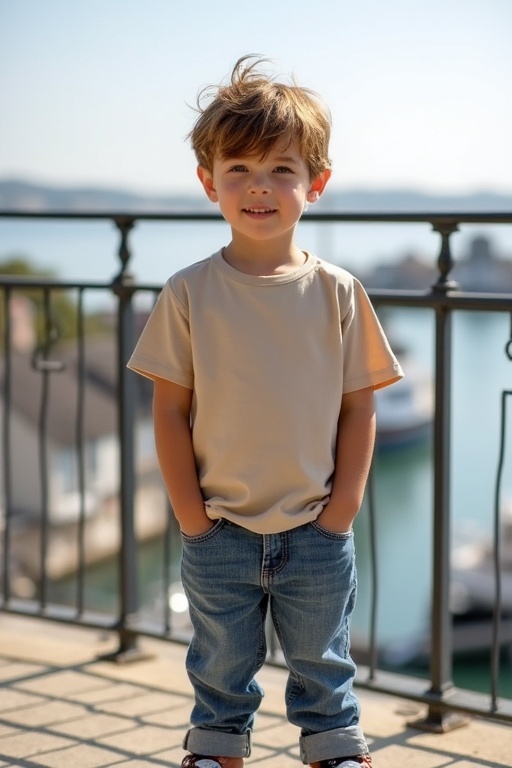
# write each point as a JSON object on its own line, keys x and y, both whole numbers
{"x": 250, "y": 113}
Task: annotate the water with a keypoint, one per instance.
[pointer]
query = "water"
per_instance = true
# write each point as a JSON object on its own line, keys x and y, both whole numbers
{"x": 403, "y": 481}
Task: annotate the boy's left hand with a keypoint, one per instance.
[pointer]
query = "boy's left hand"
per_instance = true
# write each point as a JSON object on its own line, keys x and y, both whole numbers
{"x": 334, "y": 521}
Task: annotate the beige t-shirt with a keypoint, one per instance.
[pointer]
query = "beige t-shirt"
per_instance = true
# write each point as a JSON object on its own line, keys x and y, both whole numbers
{"x": 268, "y": 359}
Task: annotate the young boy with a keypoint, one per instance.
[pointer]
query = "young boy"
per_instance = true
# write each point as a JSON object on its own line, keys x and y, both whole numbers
{"x": 265, "y": 360}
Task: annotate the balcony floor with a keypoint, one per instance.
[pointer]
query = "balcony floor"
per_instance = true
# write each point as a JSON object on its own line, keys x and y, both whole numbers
{"x": 61, "y": 707}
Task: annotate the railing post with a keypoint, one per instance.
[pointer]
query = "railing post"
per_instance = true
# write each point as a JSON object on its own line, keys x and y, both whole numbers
{"x": 5, "y": 524}
{"x": 445, "y": 261}
{"x": 45, "y": 366}
{"x": 438, "y": 719}
{"x": 374, "y": 599}
{"x": 122, "y": 287}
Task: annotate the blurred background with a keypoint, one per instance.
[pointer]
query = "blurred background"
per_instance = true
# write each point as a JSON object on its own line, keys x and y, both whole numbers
{"x": 101, "y": 92}
{"x": 96, "y": 101}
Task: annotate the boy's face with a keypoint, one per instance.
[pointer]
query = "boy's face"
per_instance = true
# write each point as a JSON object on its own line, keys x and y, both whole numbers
{"x": 263, "y": 197}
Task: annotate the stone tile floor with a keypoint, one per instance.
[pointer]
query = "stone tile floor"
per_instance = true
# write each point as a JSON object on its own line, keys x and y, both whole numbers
{"x": 63, "y": 707}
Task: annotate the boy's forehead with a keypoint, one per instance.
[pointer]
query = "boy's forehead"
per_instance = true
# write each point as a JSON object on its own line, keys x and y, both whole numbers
{"x": 284, "y": 150}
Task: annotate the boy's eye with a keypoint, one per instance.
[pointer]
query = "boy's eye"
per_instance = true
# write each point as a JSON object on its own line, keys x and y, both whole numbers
{"x": 238, "y": 168}
{"x": 282, "y": 169}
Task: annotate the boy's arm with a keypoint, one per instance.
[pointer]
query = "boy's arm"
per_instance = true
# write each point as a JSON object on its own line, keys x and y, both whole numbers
{"x": 354, "y": 449}
{"x": 173, "y": 440}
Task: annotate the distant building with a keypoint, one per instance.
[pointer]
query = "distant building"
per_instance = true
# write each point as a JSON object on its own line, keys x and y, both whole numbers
{"x": 412, "y": 272}
{"x": 480, "y": 271}
{"x": 46, "y": 439}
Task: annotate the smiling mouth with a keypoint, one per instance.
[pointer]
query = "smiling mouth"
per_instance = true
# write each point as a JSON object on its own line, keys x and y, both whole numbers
{"x": 259, "y": 211}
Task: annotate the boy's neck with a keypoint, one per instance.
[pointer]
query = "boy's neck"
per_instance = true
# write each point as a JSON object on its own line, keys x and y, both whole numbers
{"x": 263, "y": 258}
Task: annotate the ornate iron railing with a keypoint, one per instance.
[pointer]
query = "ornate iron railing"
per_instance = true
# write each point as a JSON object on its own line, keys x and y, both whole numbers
{"x": 445, "y": 702}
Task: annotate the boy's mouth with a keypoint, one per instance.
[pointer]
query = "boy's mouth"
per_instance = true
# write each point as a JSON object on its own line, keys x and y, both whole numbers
{"x": 259, "y": 211}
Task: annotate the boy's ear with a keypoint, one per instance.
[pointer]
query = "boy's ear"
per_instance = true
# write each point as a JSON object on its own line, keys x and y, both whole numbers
{"x": 206, "y": 179}
{"x": 318, "y": 185}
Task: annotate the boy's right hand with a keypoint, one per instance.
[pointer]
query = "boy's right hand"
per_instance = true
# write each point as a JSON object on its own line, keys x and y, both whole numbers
{"x": 196, "y": 527}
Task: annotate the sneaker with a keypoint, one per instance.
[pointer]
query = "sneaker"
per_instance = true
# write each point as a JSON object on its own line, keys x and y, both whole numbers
{"x": 355, "y": 761}
{"x": 206, "y": 761}
{"x": 200, "y": 761}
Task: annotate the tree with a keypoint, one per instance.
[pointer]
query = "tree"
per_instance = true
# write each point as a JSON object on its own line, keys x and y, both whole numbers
{"x": 47, "y": 310}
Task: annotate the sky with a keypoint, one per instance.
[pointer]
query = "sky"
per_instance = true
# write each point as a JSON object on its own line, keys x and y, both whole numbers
{"x": 101, "y": 92}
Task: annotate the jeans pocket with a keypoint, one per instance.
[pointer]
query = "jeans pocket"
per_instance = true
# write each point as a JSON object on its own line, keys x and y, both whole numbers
{"x": 209, "y": 534}
{"x": 335, "y": 535}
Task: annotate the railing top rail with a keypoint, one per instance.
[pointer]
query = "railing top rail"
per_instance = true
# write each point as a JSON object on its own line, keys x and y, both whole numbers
{"x": 26, "y": 281}
{"x": 325, "y": 216}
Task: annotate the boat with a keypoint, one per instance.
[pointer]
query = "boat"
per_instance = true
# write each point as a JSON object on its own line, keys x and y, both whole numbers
{"x": 472, "y": 597}
{"x": 473, "y": 585}
{"x": 405, "y": 410}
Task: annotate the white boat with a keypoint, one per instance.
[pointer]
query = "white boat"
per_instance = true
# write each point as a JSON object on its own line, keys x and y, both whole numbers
{"x": 472, "y": 597}
{"x": 405, "y": 410}
{"x": 473, "y": 571}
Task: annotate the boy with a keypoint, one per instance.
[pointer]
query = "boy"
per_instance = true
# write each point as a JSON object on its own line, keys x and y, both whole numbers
{"x": 265, "y": 360}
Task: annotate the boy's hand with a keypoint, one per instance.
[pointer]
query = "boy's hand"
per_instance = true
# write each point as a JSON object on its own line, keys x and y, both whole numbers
{"x": 197, "y": 526}
{"x": 354, "y": 448}
{"x": 173, "y": 439}
{"x": 333, "y": 520}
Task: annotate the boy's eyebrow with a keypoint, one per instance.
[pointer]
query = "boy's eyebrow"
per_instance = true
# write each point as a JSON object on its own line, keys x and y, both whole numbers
{"x": 278, "y": 159}
{"x": 286, "y": 159}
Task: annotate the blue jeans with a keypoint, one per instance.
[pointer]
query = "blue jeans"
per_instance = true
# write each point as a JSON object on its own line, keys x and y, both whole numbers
{"x": 307, "y": 577}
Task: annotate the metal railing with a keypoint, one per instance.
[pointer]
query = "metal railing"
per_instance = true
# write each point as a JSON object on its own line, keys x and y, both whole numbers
{"x": 445, "y": 702}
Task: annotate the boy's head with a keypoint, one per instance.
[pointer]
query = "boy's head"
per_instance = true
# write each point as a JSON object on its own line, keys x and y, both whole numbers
{"x": 249, "y": 114}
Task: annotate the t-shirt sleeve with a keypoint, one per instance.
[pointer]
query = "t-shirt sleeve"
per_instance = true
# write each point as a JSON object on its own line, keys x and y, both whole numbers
{"x": 163, "y": 349}
{"x": 368, "y": 360}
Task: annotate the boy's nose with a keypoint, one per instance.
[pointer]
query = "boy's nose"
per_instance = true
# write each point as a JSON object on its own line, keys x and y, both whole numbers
{"x": 259, "y": 183}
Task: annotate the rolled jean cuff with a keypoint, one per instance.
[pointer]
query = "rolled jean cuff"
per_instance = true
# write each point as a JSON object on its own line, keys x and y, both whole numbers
{"x": 339, "y": 742}
{"x": 215, "y": 743}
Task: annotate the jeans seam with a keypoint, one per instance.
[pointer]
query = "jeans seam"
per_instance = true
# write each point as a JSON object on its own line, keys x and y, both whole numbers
{"x": 268, "y": 573}
{"x": 298, "y": 685}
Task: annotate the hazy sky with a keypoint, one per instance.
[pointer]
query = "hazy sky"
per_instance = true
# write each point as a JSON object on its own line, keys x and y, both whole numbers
{"x": 100, "y": 91}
